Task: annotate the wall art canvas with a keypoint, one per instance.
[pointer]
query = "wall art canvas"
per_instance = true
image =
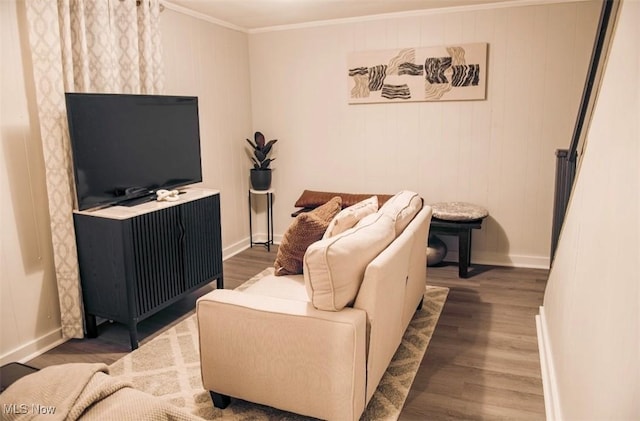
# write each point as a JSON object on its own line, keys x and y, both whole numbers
{"x": 448, "y": 73}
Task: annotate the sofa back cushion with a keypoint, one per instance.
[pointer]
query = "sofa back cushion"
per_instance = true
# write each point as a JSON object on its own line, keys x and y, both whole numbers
{"x": 334, "y": 267}
{"x": 402, "y": 208}
{"x": 305, "y": 229}
{"x": 350, "y": 216}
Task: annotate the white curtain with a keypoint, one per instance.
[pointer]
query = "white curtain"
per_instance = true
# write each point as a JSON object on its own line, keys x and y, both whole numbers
{"x": 108, "y": 46}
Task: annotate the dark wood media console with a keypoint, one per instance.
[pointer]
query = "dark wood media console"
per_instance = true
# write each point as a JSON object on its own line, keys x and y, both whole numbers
{"x": 135, "y": 261}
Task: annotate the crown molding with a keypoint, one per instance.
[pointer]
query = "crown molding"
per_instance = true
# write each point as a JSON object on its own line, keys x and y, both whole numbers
{"x": 367, "y": 18}
{"x": 202, "y": 16}
{"x": 411, "y": 13}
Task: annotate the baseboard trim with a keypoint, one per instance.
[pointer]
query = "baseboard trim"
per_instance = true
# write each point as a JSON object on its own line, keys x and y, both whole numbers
{"x": 260, "y": 237}
{"x": 508, "y": 260}
{"x": 235, "y": 248}
{"x": 549, "y": 382}
{"x": 34, "y": 348}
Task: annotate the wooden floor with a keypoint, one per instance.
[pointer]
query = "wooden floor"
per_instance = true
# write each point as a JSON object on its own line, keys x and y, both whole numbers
{"x": 482, "y": 362}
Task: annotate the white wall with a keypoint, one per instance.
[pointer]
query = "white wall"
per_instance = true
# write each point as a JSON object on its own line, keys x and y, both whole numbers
{"x": 29, "y": 309}
{"x": 498, "y": 153}
{"x": 212, "y": 62}
{"x": 590, "y": 320}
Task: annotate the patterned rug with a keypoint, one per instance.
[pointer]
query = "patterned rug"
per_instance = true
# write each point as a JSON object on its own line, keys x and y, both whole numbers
{"x": 168, "y": 366}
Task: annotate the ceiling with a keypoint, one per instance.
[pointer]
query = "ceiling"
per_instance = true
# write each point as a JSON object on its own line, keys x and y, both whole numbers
{"x": 256, "y": 14}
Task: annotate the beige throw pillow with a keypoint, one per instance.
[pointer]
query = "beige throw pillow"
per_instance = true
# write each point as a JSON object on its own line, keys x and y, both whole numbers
{"x": 402, "y": 208}
{"x": 334, "y": 267}
{"x": 305, "y": 229}
{"x": 350, "y": 216}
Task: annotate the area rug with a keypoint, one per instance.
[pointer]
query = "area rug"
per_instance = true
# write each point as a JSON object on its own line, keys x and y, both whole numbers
{"x": 168, "y": 366}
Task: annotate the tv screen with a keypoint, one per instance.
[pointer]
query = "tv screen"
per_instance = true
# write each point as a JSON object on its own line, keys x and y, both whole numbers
{"x": 125, "y": 147}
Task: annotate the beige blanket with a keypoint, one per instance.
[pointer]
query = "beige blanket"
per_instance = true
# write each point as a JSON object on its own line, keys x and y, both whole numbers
{"x": 82, "y": 391}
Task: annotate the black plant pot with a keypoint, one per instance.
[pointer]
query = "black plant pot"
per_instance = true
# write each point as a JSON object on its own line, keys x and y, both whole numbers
{"x": 261, "y": 179}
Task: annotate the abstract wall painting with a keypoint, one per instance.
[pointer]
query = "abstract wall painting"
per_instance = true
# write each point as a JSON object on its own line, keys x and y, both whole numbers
{"x": 448, "y": 73}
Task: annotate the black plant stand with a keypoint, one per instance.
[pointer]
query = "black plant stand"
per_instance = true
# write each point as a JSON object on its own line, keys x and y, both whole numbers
{"x": 269, "y": 242}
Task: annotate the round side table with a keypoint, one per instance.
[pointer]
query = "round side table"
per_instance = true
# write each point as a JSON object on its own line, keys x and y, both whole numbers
{"x": 458, "y": 218}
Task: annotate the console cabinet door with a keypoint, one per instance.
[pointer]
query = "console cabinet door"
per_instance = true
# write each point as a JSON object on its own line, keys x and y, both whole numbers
{"x": 157, "y": 262}
{"x": 202, "y": 242}
{"x": 101, "y": 259}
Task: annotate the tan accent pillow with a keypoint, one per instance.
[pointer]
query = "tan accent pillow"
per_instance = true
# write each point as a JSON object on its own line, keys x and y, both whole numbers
{"x": 305, "y": 229}
{"x": 402, "y": 208}
{"x": 334, "y": 267}
{"x": 350, "y": 216}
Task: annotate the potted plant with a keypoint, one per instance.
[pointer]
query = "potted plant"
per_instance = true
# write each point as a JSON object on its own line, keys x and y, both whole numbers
{"x": 261, "y": 171}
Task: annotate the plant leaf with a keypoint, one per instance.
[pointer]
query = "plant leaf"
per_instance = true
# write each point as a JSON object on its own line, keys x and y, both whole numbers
{"x": 259, "y": 137}
{"x": 268, "y": 146}
{"x": 253, "y": 145}
{"x": 260, "y": 155}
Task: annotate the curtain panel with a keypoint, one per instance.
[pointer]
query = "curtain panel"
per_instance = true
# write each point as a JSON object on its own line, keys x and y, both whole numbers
{"x": 109, "y": 46}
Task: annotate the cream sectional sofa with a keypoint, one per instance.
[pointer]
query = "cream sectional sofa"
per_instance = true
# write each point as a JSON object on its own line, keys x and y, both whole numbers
{"x": 318, "y": 343}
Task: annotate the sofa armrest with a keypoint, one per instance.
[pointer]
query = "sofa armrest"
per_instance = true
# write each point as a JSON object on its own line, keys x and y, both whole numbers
{"x": 283, "y": 353}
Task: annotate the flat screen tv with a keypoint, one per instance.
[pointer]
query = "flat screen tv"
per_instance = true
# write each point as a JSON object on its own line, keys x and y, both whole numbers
{"x": 126, "y": 147}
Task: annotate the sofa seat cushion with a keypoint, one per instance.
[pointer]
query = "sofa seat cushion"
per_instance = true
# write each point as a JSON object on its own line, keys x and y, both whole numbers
{"x": 334, "y": 267}
{"x": 350, "y": 216}
{"x": 402, "y": 208}
{"x": 305, "y": 229}
{"x": 289, "y": 287}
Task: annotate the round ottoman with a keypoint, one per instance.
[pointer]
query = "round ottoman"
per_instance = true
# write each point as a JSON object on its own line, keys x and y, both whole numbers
{"x": 458, "y": 211}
